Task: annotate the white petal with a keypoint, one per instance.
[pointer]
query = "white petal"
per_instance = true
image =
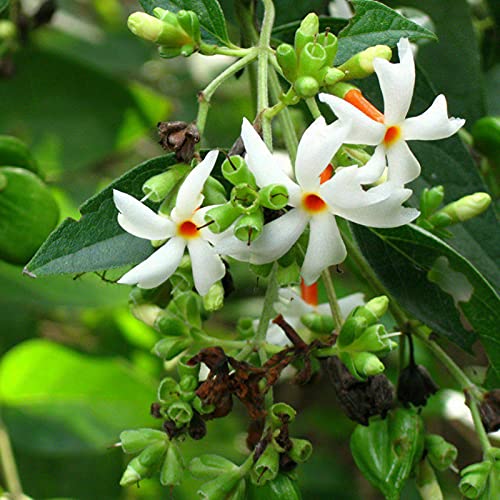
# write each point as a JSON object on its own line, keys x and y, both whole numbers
{"x": 433, "y": 124}
{"x": 344, "y": 190}
{"x": 139, "y": 220}
{"x": 207, "y": 265}
{"x": 346, "y": 304}
{"x": 403, "y": 166}
{"x": 291, "y": 304}
{"x": 189, "y": 197}
{"x": 325, "y": 247}
{"x": 231, "y": 246}
{"x": 386, "y": 213}
{"x": 374, "y": 168}
{"x": 397, "y": 82}
{"x": 363, "y": 129}
{"x": 316, "y": 148}
{"x": 278, "y": 237}
{"x": 261, "y": 162}
{"x": 158, "y": 267}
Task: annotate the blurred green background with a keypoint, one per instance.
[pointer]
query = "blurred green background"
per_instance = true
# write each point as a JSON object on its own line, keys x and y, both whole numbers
{"x": 75, "y": 366}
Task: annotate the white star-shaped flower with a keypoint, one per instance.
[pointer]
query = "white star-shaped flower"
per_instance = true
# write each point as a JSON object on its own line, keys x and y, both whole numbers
{"x": 316, "y": 204}
{"x": 183, "y": 228}
{"x": 391, "y": 130}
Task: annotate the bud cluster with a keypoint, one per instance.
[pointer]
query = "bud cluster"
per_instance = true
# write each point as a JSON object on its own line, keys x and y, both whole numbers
{"x": 309, "y": 64}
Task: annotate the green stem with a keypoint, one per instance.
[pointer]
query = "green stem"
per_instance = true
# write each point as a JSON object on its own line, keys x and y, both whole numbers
{"x": 224, "y": 51}
{"x": 332, "y": 298}
{"x": 268, "y": 312}
{"x": 8, "y": 465}
{"x": 313, "y": 107}
{"x": 206, "y": 94}
{"x": 478, "y": 424}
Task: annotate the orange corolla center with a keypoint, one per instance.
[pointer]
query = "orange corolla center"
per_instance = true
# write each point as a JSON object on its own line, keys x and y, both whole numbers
{"x": 313, "y": 203}
{"x": 309, "y": 293}
{"x": 188, "y": 229}
{"x": 392, "y": 134}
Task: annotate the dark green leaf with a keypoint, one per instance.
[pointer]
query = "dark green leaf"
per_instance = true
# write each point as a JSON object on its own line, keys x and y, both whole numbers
{"x": 374, "y": 24}
{"x": 70, "y": 402}
{"x": 448, "y": 162}
{"x": 403, "y": 257}
{"x": 3, "y": 5}
{"x": 209, "y": 12}
{"x": 96, "y": 242}
{"x": 288, "y": 11}
{"x": 286, "y": 32}
{"x": 456, "y": 53}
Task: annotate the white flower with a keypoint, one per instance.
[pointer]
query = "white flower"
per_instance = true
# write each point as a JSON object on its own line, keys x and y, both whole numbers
{"x": 181, "y": 229}
{"x": 391, "y": 130}
{"x": 316, "y": 205}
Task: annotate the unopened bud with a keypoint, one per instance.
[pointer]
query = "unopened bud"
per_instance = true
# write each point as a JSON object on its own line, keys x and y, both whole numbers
{"x": 474, "y": 479}
{"x": 190, "y": 23}
{"x": 351, "y": 329}
{"x": 249, "y": 227}
{"x": 158, "y": 187}
{"x": 361, "y": 64}
{"x": 168, "y": 348}
{"x": 301, "y": 450}
{"x": 134, "y": 441}
{"x": 273, "y": 196}
{"x": 318, "y": 323}
{"x": 467, "y": 207}
{"x": 245, "y": 198}
{"x": 378, "y": 306}
{"x": 214, "y": 299}
{"x": 307, "y": 31}
{"x": 333, "y": 76}
{"x": 221, "y": 217}
{"x": 169, "y": 34}
{"x": 144, "y": 464}
{"x": 306, "y": 86}
{"x": 172, "y": 470}
{"x": 367, "y": 364}
{"x": 207, "y": 467}
{"x": 430, "y": 200}
{"x": 236, "y": 171}
{"x": 440, "y": 453}
{"x": 148, "y": 314}
{"x": 287, "y": 59}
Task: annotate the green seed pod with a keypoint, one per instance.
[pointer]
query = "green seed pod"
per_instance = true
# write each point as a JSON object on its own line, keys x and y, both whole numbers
{"x": 180, "y": 412}
{"x": 158, "y": 187}
{"x": 28, "y": 213}
{"x": 312, "y": 60}
{"x": 486, "y": 135}
{"x": 465, "y": 208}
{"x": 267, "y": 466}
{"x": 301, "y": 450}
{"x": 352, "y": 329}
{"x": 134, "y": 441}
{"x": 14, "y": 153}
{"x": 440, "y": 453}
{"x": 361, "y": 64}
{"x": 306, "y": 86}
{"x": 235, "y": 170}
{"x": 474, "y": 479}
{"x": 222, "y": 486}
{"x": 249, "y": 227}
{"x": 282, "y": 487}
{"x": 221, "y": 217}
{"x": 287, "y": 59}
{"x": 278, "y": 410}
{"x": 430, "y": 199}
{"x": 307, "y": 32}
{"x": 330, "y": 43}
{"x": 206, "y": 467}
{"x": 172, "y": 469}
{"x": 145, "y": 464}
{"x": 273, "y": 196}
{"x": 367, "y": 364}
{"x": 245, "y": 327}
{"x": 341, "y": 89}
{"x": 168, "y": 390}
{"x": 190, "y": 23}
{"x": 184, "y": 370}
{"x": 426, "y": 481}
{"x": 333, "y": 76}
{"x": 318, "y": 323}
{"x": 245, "y": 198}
{"x": 214, "y": 192}
{"x": 378, "y": 306}
{"x": 170, "y": 347}
{"x": 214, "y": 299}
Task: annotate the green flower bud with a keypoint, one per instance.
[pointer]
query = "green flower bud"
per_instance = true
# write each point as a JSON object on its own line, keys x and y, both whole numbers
{"x": 318, "y": 323}
{"x": 371, "y": 340}
{"x": 307, "y": 32}
{"x": 245, "y": 198}
{"x": 341, "y": 89}
{"x": 172, "y": 470}
{"x": 279, "y": 410}
{"x": 273, "y": 196}
{"x": 170, "y": 325}
{"x": 249, "y": 227}
{"x": 169, "y": 347}
{"x": 148, "y": 314}
{"x": 312, "y": 59}
{"x": 330, "y": 43}
{"x": 221, "y": 217}
{"x": 486, "y": 134}
{"x": 180, "y": 412}
{"x": 221, "y": 487}
{"x": 287, "y": 59}
{"x": 145, "y": 464}
{"x": 214, "y": 299}
{"x": 474, "y": 479}
{"x": 267, "y": 466}
{"x": 301, "y": 450}
{"x": 367, "y": 364}
{"x": 430, "y": 199}
{"x": 168, "y": 390}
{"x": 378, "y": 306}
{"x": 162, "y": 32}
{"x": 440, "y": 219}
{"x": 134, "y": 441}
{"x": 190, "y": 23}
{"x": 206, "y": 467}
{"x": 15, "y": 153}
{"x": 8, "y": 30}
{"x": 352, "y": 328}
{"x": 426, "y": 481}
{"x": 245, "y": 328}
{"x": 361, "y": 64}
{"x": 440, "y": 453}
{"x": 467, "y": 207}
{"x": 306, "y": 86}
{"x": 158, "y": 187}
{"x": 333, "y": 76}
{"x": 236, "y": 171}
{"x": 214, "y": 192}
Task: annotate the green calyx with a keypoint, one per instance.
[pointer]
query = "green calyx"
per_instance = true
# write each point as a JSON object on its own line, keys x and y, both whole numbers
{"x": 440, "y": 453}
{"x": 214, "y": 192}
{"x": 145, "y": 464}
{"x": 267, "y": 466}
{"x": 249, "y": 227}
{"x": 301, "y": 450}
{"x": 279, "y": 411}
{"x": 235, "y": 170}
{"x": 273, "y": 196}
{"x": 318, "y": 323}
{"x": 221, "y": 217}
{"x": 134, "y": 441}
{"x": 361, "y": 64}
{"x": 172, "y": 469}
{"x": 475, "y": 478}
{"x": 157, "y": 188}
{"x": 245, "y": 198}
